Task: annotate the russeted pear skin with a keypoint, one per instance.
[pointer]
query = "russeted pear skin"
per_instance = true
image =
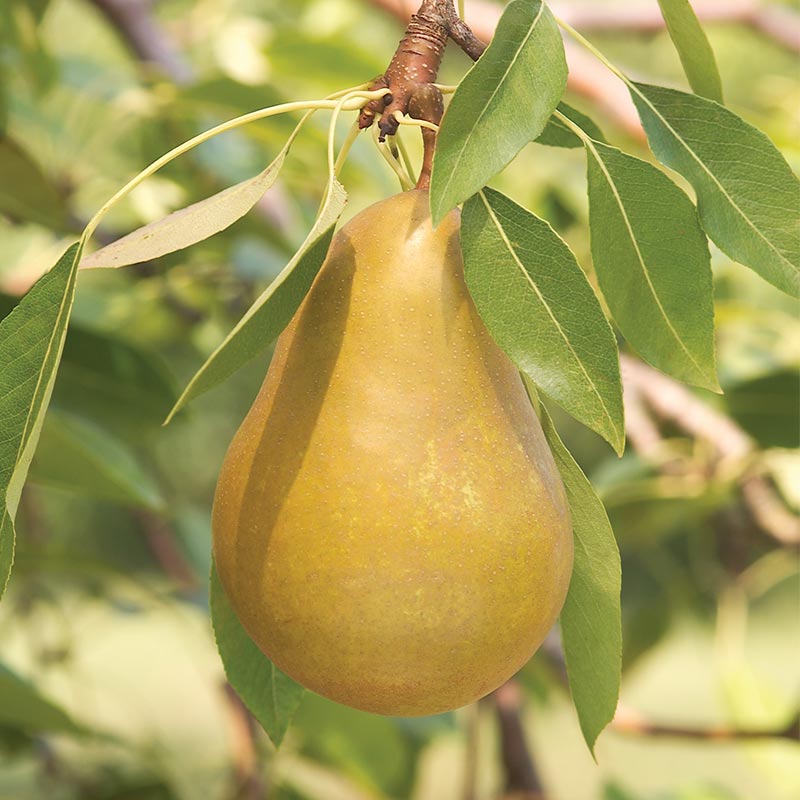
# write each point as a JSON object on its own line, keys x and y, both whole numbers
{"x": 389, "y": 524}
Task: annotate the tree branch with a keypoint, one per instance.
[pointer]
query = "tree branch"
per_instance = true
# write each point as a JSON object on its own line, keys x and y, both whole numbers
{"x": 675, "y": 403}
{"x": 134, "y": 20}
{"x": 521, "y": 778}
{"x": 628, "y": 722}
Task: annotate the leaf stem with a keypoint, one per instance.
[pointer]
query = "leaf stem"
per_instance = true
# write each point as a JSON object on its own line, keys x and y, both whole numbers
{"x": 584, "y": 42}
{"x": 348, "y": 99}
{"x": 405, "y": 181}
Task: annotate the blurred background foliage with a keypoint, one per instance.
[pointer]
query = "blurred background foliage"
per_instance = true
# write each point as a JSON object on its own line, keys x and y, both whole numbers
{"x": 110, "y": 686}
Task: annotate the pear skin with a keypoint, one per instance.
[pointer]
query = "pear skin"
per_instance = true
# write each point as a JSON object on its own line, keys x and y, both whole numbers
{"x": 389, "y": 524}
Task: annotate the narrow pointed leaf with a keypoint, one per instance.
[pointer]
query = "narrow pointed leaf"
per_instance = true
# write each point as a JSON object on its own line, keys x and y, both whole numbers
{"x": 31, "y": 342}
{"x": 271, "y": 696}
{"x": 502, "y": 103}
{"x": 693, "y": 48}
{"x": 591, "y": 627}
{"x": 747, "y": 197}
{"x": 652, "y": 263}
{"x": 271, "y": 312}
{"x": 557, "y": 134}
{"x": 189, "y": 225}
{"x": 539, "y": 307}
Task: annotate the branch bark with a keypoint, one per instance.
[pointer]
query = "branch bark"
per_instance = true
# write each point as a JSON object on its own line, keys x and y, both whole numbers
{"x": 675, "y": 403}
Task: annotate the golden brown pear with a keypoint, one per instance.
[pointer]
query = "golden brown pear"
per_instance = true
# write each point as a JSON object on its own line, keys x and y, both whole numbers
{"x": 389, "y": 524}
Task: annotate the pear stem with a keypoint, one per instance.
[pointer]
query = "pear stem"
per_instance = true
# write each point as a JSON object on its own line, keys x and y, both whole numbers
{"x": 411, "y": 75}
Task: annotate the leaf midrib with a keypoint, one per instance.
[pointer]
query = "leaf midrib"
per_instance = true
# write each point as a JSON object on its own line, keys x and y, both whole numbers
{"x": 500, "y": 83}
{"x": 713, "y": 177}
{"x": 546, "y": 305}
{"x": 645, "y": 270}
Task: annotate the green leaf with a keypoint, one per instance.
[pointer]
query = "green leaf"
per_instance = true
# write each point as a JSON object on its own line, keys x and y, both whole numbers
{"x": 557, "y": 134}
{"x": 25, "y": 708}
{"x": 273, "y": 310}
{"x": 25, "y": 193}
{"x": 189, "y": 225}
{"x": 31, "y": 341}
{"x": 116, "y": 383}
{"x": 539, "y": 307}
{"x": 591, "y": 627}
{"x": 502, "y": 103}
{"x": 693, "y": 48}
{"x": 77, "y": 455}
{"x": 271, "y": 696}
{"x": 747, "y": 196}
{"x": 652, "y": 263}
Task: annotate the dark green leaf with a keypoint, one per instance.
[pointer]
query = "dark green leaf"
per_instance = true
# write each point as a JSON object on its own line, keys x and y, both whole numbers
{"x": 557, "y": 134}
{"x": 591, "y": 625}
{"x": 502, "y": 103}
{"x": 693, "y": 48}
{"x": 31, "y": 341}
{"x": 652, "y": 262}
{"x": 77, "y": 455}
{"x": 270, "y": 314}
{"x": 25, "y": 193}
{"x": 747, "y": 196}
{"x": 116, "y": 383}
{"x": 271, "y": 696}
{"x": 539, "y": 307}
{"x": 24, "y": 708}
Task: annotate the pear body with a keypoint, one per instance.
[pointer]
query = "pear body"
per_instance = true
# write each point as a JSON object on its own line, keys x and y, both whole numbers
{"x": 389, "y": 524}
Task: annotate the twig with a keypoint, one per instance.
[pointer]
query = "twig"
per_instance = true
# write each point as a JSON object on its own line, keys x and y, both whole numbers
{"x": 673, "y": 402}
{"x": 628, "y": 722}
{"x": 161, "y": 540}
{"x": 135, "y": 22}
{"x": 247, "y": 782}
{"x": 521, "y": 777}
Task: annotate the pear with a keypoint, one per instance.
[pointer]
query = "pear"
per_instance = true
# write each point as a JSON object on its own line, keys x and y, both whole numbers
{"x": 389, "y": 524}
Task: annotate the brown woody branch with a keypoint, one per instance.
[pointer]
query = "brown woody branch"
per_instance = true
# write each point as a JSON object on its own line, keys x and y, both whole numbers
{"x": 675, "y": 403}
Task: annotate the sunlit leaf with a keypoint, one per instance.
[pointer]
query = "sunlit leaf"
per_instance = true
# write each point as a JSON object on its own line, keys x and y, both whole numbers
{"x": 747, "y": 195}
{"x": 271, "y": 696}
{"x": 591, "y": 627}
{"x": 271, "y": 312}
{"x": 189, "y": 225}
{"x": 31, "y": 341}
{"x": 502, "y": 103}
{"x": 539, "y": 307}
{"x": 652, "y": 263}
{"x": 693, "y": 48}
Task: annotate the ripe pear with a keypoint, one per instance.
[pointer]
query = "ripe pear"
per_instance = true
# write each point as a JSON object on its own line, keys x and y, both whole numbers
{"x": 389, "y": 524}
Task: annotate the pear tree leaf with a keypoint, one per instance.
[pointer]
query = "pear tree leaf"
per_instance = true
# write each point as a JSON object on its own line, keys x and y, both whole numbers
{"x": 747, "y": 196}
{"x": 79, "y": 456}
{"x": 501, "y": 104}
{"x": 557, "y": 134}
{"x": 122, "y": 386}
{"x": 539, "y": 308}
{"x": 271, "y": 696}
{"x": 591, "y": 627}
{"x": 25, "y": 192}
{"x": 23, "y": 707}
{"x": 652, "y": 263}
{"x": 693, "y": 48}
{"x": 189, "y": 225}
{"x": 31, "y": 341}
{"x": 273, "y": 310}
